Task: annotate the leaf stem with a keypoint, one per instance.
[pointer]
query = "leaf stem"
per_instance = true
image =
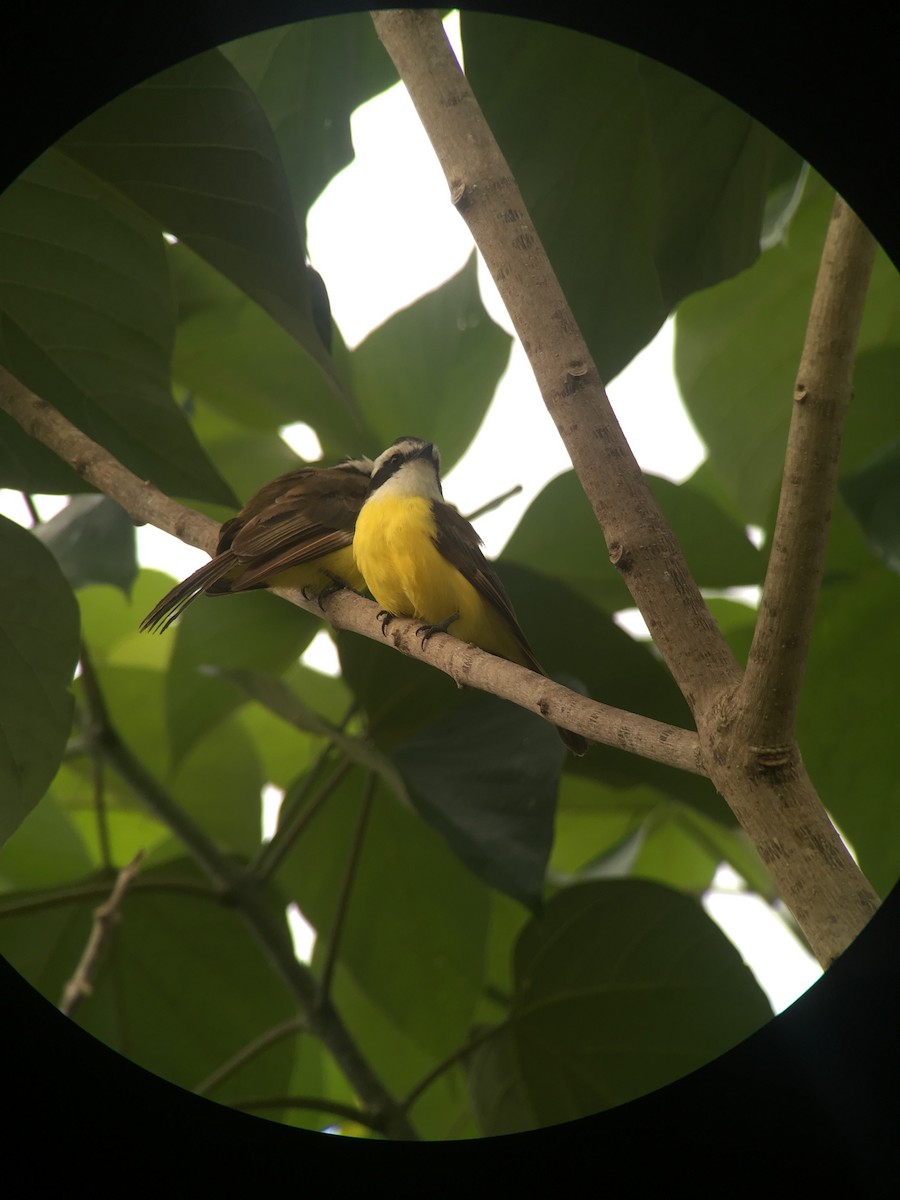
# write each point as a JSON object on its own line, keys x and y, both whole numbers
{"x": 343, "y": 900}
{"x": 106, "y": 918}
{"x": 255, "y": 1047}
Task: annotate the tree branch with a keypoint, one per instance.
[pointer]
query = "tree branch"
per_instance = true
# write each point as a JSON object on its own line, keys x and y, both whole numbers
{"x": 346, "y": 887}
{"x": 106, "y": 918}
{"x": 467, "y": 665}
{"x": 255, "y": 1047}
{"x": 774, "y": 800}
{"x": 640, "y": 541}
{"x": 141, "y": 500}
{"x": 770, "y": 691}
{"x": 270, "y": 929}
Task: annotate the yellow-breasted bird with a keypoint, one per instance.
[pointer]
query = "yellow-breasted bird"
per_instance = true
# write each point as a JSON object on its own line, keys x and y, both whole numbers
{"x": 296, "y": 531}
{"x": 420, "y": 558}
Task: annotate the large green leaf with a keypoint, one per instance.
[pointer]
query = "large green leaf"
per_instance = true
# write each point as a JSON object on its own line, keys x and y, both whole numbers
{"x": 737, "y": 351}
{"x": 559, "y": 535}
{"x": 849, "y": 713}
{"x": 431, "y": 370}
{"x": 621, "y": 986}
{"x": 309, "y": 78}
{"x": 39, "y": 649}
{"x": 415, "y": 922}
{"x": 47, "y": 848}
{"x": 93, "y": 541}
{"x": 87, "y": 324}
{"x": 643, "y": 185}
{"x": 486, "y": 776}
{"x": 247, "y": 458}
{"x": 873, "y": 494}
{"x": 193, "y": 149}
{"x": 232, "y": 355}
{"x": 251, "y": 629}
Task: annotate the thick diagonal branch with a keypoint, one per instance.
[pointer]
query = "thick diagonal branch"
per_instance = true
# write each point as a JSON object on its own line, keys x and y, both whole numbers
{"x": 774, "y": 801}
{"x": 770, "y": 691}
{"x": 467, "y": 665}
{"x": 640, "y": 541}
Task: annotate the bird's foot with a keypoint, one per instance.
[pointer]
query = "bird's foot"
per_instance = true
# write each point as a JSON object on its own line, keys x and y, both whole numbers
{"x": 385, "y": 618}
{"x": 427, "y": 631}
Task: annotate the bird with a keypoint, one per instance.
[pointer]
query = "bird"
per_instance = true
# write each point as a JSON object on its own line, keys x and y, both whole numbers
{"x": 421, "y": 558}
{"x": 296, "y": 531}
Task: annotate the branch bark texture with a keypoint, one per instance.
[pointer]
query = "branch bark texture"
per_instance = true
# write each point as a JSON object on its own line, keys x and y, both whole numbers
{"x": 770, "y": 691}
{"x": 467, "y": 665}
{"x": 773, "y": 798}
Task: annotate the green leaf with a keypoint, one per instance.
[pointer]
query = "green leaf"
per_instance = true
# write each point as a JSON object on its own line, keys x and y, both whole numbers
{"x": 250, "y": 629}
{"x": 643, "y": 185}
{"x": 219, "y": 783}
{"x": 231, "y": 354}
{"x": 275, "y": 695}
{"x": 93, "y": 541}
{"x": 414, "y": 928}
{"x": 247, "y": 458}
{"x": 192, "y": 148}
{"x": 309, "y": 77}
{"x": 622, "y": 986}
{"x": 39, "y": 649}
{"x": 486, "y": 776}
{"x": 559, "y": 535}
{"x": 737, "y": 351}
{"x": 110, "y": 622}
{"x": 873, "y": 494}
{"x": 46, "y": 848}
{"x": 442, "y": 1110}
{"x": 453, "y": 356}
{"x": 848, "y": 717}
{"x": 87, "y": 324}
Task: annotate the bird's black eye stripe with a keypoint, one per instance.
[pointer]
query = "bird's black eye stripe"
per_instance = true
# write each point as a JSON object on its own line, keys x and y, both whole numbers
{"x": 385, "y": 471}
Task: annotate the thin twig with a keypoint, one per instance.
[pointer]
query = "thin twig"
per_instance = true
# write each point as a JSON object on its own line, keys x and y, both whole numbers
{"x": 20, "y": 906}
{"x": 266, "y": 864}
{"x": 495, "y": 503}
{"x": 32, "y": 509}
{"x": 770, "y": 691}
{"x": 457, "y": 1055}
{"x": 106, "y": 917}
{"x": 343, "y": 900}
{"x": 255, "y": 1047}
{"x": 269, "y": 928}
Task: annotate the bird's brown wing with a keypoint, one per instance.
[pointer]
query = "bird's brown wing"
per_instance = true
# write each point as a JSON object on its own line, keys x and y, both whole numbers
{"x": 458, "y": 542}
{"x": 460, "y": 545}
{"x": 281, "y": 533}
{"x": 272, "y": 533}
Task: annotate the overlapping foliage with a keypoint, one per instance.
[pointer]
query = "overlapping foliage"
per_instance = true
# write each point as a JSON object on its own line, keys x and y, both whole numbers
{"x": 500, "y": 893}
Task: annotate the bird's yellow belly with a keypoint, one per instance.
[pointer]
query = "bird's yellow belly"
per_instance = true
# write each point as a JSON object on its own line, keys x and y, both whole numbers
{"x": 317, "y": 573}
{"x": 409, "y": 577}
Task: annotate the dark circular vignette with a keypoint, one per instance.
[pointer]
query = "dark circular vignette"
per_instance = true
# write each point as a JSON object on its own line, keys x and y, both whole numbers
{"x": 809, "y": 1099}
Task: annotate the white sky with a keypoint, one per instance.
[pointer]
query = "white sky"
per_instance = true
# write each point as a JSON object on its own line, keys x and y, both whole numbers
{"x": 383, "y": 233}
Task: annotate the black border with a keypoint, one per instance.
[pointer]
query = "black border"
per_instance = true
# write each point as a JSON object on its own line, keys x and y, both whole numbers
{"x": 810, "y": 1100}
